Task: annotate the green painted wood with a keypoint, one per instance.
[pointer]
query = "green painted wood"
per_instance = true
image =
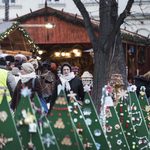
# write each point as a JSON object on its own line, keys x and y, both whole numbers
{"x": 8, "y": 128}
{"x": 79, "y": 120}
{"x": 95, "y": 123}
{"x": 127, "y": 125}
{"x": 62, "y": 125}
{"x": 139, "y": 125}
{"x": 46, "y": 127}
{"x": 114, "y": 131}
{"x": 144, "y": 106}
{"x": 24, "y": 129}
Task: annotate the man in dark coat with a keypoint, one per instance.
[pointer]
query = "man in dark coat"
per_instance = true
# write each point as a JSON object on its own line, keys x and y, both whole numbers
{"x": 70, "y": 83}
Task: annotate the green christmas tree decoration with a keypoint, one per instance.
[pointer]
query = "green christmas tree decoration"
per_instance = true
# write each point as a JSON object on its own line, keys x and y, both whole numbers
{"x": 137, "y": 117}
{"x": 9, "y": 139}
{"x": 126, "y": 121}
{"x": 92, "y": 120}
{"x": 27, "y": 123}
{"x": 144, "y": 106}
{"x": 80, "y": 124}
{"x": 63, "y": 126}
{"x": 48, "y": 138}
{"x": 113, "y": 128}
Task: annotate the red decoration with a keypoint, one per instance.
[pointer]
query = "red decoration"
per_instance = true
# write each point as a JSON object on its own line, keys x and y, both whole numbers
{"x": 75, "y": 144}
{"x": 51, "y": 114}
{"x": 59, "y": 114}
{"x": 127, "y": 123}
{"x": 68, "y": 115}
{"x": 71, "y": 130}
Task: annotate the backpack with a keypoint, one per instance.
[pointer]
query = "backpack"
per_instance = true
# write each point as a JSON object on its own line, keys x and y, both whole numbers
{"x": 42, "y": 100}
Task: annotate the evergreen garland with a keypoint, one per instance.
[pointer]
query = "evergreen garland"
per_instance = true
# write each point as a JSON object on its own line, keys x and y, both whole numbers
{"x": 135, "y": 38}
{"x": 8, "y": 31}
{"x": 22, "y": 30}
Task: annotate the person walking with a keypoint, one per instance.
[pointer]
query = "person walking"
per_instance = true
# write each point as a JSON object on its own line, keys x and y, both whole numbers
{"x": 7, "y": 81}
{"x": 27, "y": 76}
{"x": 70, "y": 83}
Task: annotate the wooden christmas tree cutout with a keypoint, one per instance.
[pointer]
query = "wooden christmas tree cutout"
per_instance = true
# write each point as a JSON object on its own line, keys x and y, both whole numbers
{"x": 30, "y": 138}
{"x": 8, "y": 132}
{"x": 80, "y": 124}
{"x": 48, "y": 137}
{"x": 92, "y": 120}
{"x": 63, "y": 126}
{"x": 126, "y": 123}
{"x": 139, "y": 124}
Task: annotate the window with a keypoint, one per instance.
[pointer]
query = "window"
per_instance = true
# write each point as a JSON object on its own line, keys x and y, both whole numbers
{"x": 53, "y": 1}
{"x": 10, "y": 1}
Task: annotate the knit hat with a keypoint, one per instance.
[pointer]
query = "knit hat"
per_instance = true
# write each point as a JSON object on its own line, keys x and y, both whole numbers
{"x": 2, "y": 61}
{"x": 9, "y": 58}
{"x": 34, "y": 63}
{"x": 18, "y": 59}
{"x": 65, "y": 64}
{"x": 28, "y": 67}
{"x": 47, "y": 63}
{"x": 23, "y": 58}
{"x": 15, "y": 71}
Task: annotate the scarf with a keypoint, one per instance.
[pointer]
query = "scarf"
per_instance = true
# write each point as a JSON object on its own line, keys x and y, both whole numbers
{"x": 25, "y": 78}
{"x": 65, "y": 80}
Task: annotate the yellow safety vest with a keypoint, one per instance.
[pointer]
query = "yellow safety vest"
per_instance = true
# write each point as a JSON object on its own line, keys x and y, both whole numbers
{"x": 3, "y": 85}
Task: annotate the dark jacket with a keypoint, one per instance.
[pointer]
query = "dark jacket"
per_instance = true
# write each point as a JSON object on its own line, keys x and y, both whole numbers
{"x": 17, "y": 93}
{"x": 76, "y": 86}
{"x": 142, "y": 81}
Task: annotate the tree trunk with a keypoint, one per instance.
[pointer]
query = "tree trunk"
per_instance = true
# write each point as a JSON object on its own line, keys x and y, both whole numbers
{"x": 117, "y": 63}
{"x": 100, "y": 70}
{"x": 103, "y": 46}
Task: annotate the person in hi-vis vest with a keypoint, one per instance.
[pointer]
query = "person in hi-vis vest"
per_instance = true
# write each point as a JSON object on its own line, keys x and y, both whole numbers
{"x": 7, "y": 81}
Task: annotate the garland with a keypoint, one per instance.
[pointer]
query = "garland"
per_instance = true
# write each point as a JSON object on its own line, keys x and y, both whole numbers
{"x": 134, "y": 38}
{"x": 8, "y": 31}
{"x": 27, "y": 35}
{"x": 125, "y": 36}
{"x": 22, "y": 31}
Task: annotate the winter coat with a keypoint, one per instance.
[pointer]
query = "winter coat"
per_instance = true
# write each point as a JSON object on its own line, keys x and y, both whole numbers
{"x": 76, "y": 86}
{"x": 11, "y": 83}
{"x": 17, "y": 93}
{"x": 47, "y": 82}
{"x": 142, "y": 81}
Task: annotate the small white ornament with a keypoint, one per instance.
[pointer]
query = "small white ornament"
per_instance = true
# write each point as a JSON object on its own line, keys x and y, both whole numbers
{"x": 32, "y": 127}
{"x": 97, "y": 132}
{"x": 87, "y": 88}
{"x": 26, "y": 92}
{"x": 88, "y": 121}
{"x": 45, "y": 124}
{"x": 87, "y": 101}
{"x": 133, "y": 88}
{"x": 87, "y": 111}
{"x": 75, "y": 103}
{"x": 3, "y": 116}
{"x": 70, "y": 108}
{"x": 81, "y": 116}
{"x": 48, "y": 140}
{"x": 96, "y": 120}
{"x": 24, "y": 113}
{"x": 75, "y": 119}
{"x": 119, "y": 142}
{"x": 122, "y": 94}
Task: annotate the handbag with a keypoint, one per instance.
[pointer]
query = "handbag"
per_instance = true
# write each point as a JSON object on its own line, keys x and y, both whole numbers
{"x": 42, "y": 100}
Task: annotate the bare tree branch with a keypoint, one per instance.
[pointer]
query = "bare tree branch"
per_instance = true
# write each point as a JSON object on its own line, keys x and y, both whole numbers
{"x": 120, "y": 20}
{"x": 87, "y": 21}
